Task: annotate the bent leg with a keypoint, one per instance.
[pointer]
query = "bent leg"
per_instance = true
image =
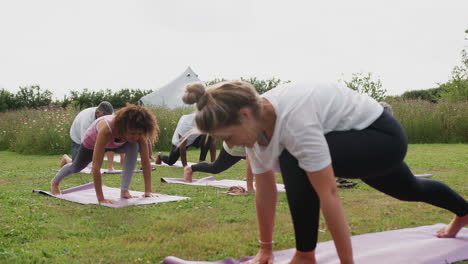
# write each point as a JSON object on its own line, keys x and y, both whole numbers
{"x": 222, "y": 163}
{"x": 131, "y": 154}
{"x": 403, "y": 185}
{"x": 303, "y": 201}
{"x": 83, "y": 157}
{"x": 173, "y": 156}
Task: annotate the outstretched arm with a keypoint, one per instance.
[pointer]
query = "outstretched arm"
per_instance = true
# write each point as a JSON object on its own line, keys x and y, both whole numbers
{"x": 104, "y": 136}
{"x": 265, "y": 201}
{"x": 212, "y": 149}
{"x": 183, "y": 151}
{"x": 145, "y": 165}
{"x": 324, "y": 184}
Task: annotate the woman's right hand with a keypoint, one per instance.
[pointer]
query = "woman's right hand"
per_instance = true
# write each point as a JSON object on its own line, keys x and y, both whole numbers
{"x": 262, "y": 257}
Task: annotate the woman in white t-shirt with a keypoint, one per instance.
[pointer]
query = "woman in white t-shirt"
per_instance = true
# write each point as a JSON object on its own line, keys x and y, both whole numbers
{"x": 184, "y": 138}
{"x": 312, "y": 132}
{"x": 226, "y": 159}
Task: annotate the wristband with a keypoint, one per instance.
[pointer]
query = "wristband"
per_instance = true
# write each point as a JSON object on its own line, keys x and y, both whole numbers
{"x": 266, "y": 243}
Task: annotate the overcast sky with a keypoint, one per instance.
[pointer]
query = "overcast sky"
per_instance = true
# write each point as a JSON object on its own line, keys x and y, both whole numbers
{"x": 70, "y": 45}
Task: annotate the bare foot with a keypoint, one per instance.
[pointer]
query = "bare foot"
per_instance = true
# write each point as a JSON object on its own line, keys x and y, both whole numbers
{"x": 54, "y": 188}
{"x": 452, "y": 229}
{"x": 303, "y": 257}
{"x": 126, "y": 194}
{"x": 158, "y": 158}
{"x": 65, "y": 160}
{"x": 188, "y": 174}
{"x": 110, "y": 169}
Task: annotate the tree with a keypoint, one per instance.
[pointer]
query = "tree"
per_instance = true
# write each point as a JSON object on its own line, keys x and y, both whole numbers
{"x": 33, "y": 97}
{"x": 456, "y": 89}
{"x": 261, "y": 86}
{"x": 364, "y": 83}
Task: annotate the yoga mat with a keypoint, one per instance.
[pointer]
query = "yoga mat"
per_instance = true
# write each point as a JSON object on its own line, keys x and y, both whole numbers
{"x": 85, "y": 194}
{"x": 423, "y": 175}
{"x": 178, "y": 163}
{"x": 211, "y": 181}
{"x": 410, "y": 245}
{"x": 105, "y": 171}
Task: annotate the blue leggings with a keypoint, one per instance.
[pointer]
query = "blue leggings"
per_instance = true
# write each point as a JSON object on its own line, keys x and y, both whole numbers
{"x": 375, "y": 155}
{"x": 85, "y": 156}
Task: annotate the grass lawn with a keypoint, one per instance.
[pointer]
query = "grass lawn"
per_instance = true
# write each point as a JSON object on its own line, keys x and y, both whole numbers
{"x": 211, "y": 226}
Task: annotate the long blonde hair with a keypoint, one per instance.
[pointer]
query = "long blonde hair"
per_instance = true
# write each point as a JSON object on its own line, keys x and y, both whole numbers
{"x": 218, "y": 106}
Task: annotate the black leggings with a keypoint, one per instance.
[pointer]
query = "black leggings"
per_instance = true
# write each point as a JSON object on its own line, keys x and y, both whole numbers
{"x": 222, "y": 163}
{"x": 375, "y": 155}
{"x": 200, "y": 142}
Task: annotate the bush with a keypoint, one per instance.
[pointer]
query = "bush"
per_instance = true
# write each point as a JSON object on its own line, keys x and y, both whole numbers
{"x": 456, "y": 89}
{"x": 364, "y": 83}
{"x": 431, "y": 95}
{"x": 261, "y": 86}
{"x": 427, "y": 122}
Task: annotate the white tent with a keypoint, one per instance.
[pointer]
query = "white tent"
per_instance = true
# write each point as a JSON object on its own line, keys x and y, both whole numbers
{"x": 170, "y": 95}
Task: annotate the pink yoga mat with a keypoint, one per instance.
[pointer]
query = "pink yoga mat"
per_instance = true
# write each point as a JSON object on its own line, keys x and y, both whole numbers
{"x": 85, "y": 194}
{"x": 410, "y": 245}
{"x": 211, "y": 181}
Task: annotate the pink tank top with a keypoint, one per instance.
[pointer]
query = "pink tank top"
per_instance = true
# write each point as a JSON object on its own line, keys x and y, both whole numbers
{"x": 89, "y": 139}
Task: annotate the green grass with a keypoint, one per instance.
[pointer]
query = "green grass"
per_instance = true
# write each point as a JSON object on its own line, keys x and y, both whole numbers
{"x": 211, "y": 226}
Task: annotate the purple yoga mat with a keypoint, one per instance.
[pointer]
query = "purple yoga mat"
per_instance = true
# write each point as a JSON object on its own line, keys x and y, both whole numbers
{"x": 85, "y": 194}
{"x": 211, "y": 181}
{"x": 178, "y": 163}
{"x": 105, "y": 171}
{"x": 410, "y": 245}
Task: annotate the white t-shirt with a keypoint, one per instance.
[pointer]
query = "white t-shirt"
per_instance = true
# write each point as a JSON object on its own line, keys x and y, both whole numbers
{"x": 185, "y": 128}
{"x": 81, "y": 123}
{"x": 305, "y": 112}
{"x": 236, "y": 151}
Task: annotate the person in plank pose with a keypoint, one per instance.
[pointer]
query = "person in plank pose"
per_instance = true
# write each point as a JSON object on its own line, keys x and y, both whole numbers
{"x": 126, "y": 132}
{"x": 313, "y": 132}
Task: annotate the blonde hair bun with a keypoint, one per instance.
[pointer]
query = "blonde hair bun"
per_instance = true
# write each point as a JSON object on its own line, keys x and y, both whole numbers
{"x": 193, "y": 92}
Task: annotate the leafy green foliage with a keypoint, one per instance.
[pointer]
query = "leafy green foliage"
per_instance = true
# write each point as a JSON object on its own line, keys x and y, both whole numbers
{"x": 431, "y": 95}
{"x": 456, "y": 89}
{"x": 260, "y": 85}
{"x": 86, "y": 98}
{"x": 364, "y": 83}
{"x": 27, "y": 97}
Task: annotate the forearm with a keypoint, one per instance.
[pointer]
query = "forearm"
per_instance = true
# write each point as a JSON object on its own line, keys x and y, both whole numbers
{"x": 265, "y": 201}
{"x": 145, "y": 164}
{"x": 338, "y": 226}
{"x": 213, "y": 150}
{"x": 97, "y": 179}
{"x": 183, "y": 155}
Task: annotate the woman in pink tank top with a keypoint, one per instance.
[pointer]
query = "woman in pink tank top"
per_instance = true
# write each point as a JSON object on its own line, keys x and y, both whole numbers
{"x": 127, "y": 132}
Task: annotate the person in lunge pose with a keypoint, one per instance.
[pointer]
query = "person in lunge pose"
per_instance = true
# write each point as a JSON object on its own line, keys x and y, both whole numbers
{"x": 183, "y": 138}
{"x": 312, "y": 132}
{"x": 126, "y": 132}
{"x": 226, "y": 159}
{"x": 78, "y": 129}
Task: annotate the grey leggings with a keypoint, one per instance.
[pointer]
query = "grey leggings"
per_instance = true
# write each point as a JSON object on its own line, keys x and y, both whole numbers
{"x": 85, "y": 156}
